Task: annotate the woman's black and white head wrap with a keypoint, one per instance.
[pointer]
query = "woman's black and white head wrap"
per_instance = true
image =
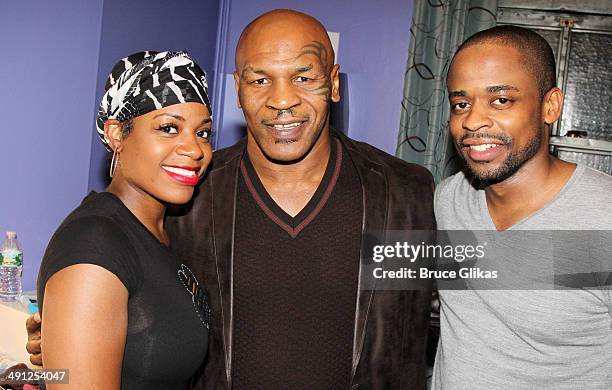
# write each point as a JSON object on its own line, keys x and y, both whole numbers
{"x": 147, "y": 81}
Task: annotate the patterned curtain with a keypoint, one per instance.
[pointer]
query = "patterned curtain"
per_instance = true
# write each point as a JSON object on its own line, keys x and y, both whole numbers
{"x": 438, "y": 28}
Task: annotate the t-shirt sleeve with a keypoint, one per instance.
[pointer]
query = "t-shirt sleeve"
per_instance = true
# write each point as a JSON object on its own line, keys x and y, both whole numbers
{"x": 90, "y": 240}
{"x": 441, "y": 194}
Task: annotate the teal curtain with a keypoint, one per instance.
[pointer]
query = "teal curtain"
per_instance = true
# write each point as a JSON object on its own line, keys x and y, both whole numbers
{"x": 438, "y": 28}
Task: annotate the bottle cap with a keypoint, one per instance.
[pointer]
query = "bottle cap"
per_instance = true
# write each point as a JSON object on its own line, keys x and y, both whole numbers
{"x": 11, "y": 234}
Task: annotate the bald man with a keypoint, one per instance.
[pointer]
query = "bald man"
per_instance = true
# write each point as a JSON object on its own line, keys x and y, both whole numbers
{"x": 275, "y": 232}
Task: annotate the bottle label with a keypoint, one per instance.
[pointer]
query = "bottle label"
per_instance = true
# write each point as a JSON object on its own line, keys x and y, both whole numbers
{"x": 12, "y": 258}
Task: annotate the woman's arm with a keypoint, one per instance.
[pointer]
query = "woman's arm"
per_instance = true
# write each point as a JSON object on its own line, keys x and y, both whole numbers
{"x": 85, "y": 326}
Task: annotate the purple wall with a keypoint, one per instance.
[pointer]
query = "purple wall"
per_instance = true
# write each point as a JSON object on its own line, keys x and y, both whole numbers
{"x": 137, "y": 25}
{"x": 374, "y": 39}
{"x": 48, "y": 76}
{"x": 56, "y": 56}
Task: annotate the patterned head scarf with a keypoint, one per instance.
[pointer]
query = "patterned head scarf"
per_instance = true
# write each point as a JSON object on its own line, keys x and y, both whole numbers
{"x": 147, "y": 81}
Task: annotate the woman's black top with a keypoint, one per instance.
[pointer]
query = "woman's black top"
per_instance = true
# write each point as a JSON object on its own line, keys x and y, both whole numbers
{"x": 167, "y": 334}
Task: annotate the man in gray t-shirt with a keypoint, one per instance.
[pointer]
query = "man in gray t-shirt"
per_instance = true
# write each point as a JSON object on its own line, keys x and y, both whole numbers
{"x": 503, "y": 98}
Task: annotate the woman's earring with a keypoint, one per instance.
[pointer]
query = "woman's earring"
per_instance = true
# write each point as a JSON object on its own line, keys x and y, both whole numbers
{"x": 114, "y": 162}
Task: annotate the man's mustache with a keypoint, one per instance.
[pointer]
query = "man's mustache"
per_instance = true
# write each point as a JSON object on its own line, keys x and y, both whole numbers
{"x": 280, "y": 113}
{"x": 506, "y": 139}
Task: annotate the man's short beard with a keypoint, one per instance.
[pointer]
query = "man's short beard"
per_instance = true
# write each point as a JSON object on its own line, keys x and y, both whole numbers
{"x": 284, "y": 141}
{"x": 509, "y": 167}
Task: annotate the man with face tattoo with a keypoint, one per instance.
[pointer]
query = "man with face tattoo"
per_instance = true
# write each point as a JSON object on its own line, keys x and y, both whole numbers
{"x": 281, "y": 247}
{"x": 503, "y": 99}
{"x": 275, "y": 232}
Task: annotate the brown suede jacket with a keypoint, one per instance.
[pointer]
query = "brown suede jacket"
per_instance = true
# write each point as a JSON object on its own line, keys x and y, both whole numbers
{"x": 390, "y": 326}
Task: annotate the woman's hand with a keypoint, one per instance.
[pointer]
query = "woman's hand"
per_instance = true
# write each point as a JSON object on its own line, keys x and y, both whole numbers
{"x": 85, "y": 326}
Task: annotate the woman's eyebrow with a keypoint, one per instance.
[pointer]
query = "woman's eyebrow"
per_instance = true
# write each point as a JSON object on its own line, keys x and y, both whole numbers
{"x": 176, "y": 116}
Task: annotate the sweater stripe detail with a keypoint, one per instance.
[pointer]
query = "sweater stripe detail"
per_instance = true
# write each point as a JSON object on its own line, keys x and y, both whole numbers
{"x": 294, "y": 232}
{"x": 261, "y": 204}
{"x": 327, "y": 192}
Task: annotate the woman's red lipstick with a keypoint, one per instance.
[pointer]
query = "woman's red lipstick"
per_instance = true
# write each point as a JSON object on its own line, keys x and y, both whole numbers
{"x": 184, "y": 175}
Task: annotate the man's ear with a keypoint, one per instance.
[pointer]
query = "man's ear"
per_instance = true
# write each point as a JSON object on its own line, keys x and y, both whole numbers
{"x": 237, "y": 85}
{"x": 553, "y": 105}
{"x": 113, "y": 133}
{"x": 335, "y": 83}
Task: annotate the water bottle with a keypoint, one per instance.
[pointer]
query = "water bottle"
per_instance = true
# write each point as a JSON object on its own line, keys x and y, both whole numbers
{"x": 11, "y": 264}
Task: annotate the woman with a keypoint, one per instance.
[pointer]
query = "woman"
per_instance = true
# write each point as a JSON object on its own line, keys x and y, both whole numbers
{"x": 119, "y": 310}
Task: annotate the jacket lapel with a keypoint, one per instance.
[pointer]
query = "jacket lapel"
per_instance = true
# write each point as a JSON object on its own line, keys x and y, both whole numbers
{"x": 224, "y": 183}
{"x": 375, "y": 203}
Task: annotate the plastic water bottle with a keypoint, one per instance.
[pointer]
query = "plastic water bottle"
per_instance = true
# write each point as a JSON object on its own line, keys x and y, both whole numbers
{"x": 11, "y": 265}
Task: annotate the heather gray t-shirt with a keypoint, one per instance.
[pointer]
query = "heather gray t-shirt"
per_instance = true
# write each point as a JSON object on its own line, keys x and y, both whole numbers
{"x": 526, "y": 339}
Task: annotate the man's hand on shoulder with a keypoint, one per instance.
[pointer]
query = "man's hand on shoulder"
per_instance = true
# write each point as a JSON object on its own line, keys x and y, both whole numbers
{"x": 33, "y": 324}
